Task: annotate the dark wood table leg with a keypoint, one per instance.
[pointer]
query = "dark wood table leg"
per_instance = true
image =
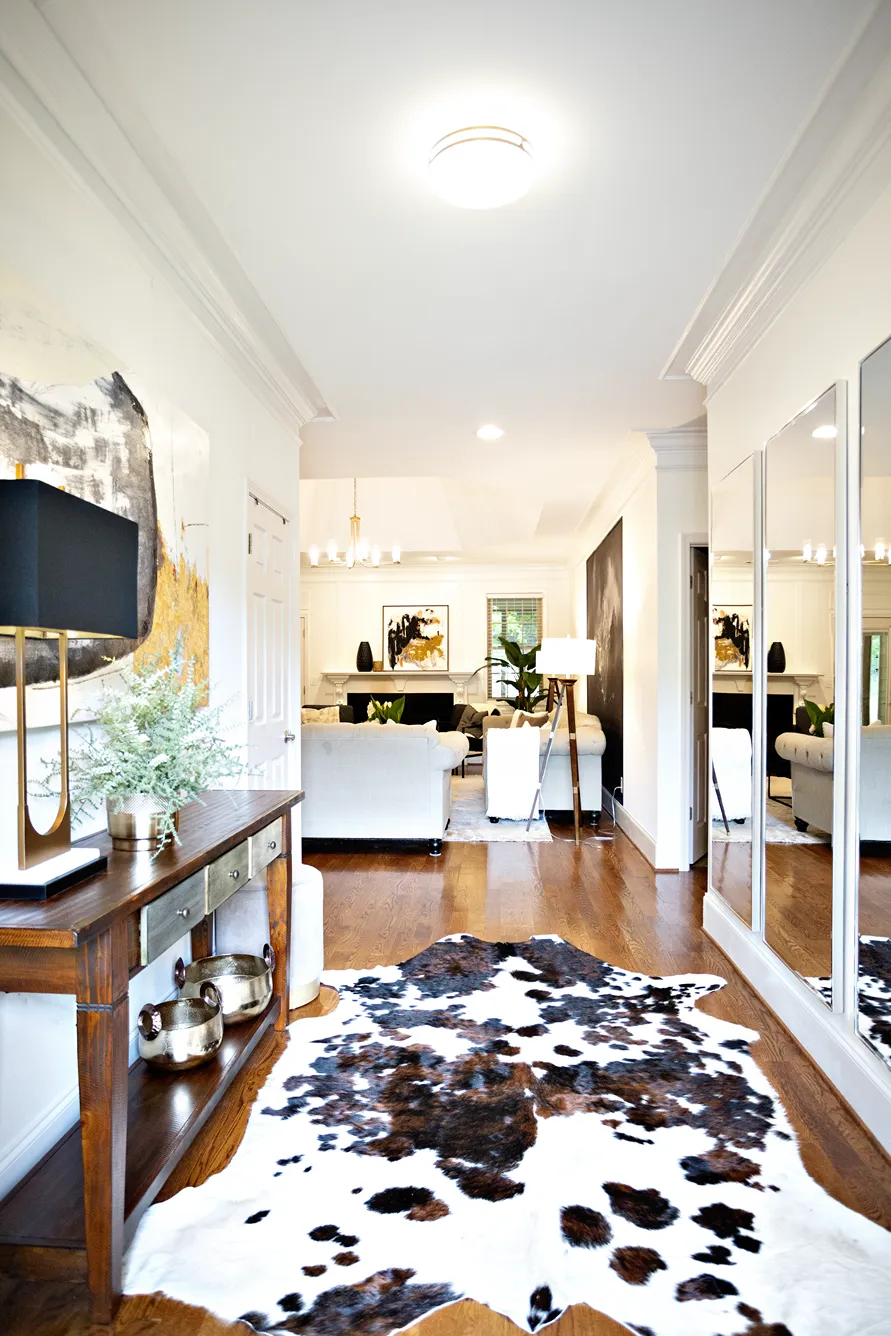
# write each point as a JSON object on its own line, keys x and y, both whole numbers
{"x": 278, "y": 894}
{"x": 102, "y": 1060}
{"x": 202, "y": 938}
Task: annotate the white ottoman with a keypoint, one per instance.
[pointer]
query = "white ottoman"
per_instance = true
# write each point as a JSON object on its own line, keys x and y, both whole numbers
{"x": 243, "y": 925}
{"x": 732, "y": 761}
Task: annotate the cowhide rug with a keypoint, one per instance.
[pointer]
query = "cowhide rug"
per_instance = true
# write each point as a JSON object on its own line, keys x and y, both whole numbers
{"x": 526, "y": 1126}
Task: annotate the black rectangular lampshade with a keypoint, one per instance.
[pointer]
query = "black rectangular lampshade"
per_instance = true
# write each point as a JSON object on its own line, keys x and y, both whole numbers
{"x": 65, "y": 564}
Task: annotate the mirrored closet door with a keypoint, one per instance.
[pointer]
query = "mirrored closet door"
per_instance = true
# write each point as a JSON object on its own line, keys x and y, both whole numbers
{"x": 874, "y": 788}
{"x": 799, "y": 648}
{"x": 732, "y": 590}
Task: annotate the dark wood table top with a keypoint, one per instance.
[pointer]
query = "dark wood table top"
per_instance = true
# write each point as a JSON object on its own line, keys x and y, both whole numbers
{"x": 131, "y": 880}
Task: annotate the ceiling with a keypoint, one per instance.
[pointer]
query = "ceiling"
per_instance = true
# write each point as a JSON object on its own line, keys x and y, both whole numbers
{"x": 301, "y": 128}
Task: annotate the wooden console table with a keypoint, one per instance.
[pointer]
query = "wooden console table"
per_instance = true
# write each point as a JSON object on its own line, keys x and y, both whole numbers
{"x": 74, "y": 1214}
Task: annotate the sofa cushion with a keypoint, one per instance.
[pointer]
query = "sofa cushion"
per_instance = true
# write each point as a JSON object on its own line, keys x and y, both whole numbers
{"x": 806, "y": 749}
{"x": 320, "y": 714}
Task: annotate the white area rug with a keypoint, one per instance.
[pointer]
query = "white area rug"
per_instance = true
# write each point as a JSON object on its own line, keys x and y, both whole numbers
{"x": 470, "y": 825}
{"x": 527, "y": 1126}
{"x": 780, "y": 829}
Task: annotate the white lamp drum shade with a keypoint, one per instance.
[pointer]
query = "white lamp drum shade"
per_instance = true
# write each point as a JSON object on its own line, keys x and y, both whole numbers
{"x": 566, "y": 657}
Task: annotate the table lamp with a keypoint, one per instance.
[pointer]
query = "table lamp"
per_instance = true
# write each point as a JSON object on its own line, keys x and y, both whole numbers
{"x": 67, "y": 567}
{"x": 563, "y": 661}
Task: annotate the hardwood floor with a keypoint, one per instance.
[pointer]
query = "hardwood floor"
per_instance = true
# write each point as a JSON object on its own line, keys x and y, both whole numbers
{"x": 384, "y": 905}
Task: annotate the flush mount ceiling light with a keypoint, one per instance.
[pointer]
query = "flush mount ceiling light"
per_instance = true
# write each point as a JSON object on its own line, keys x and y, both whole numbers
{"x": 481, "y": 167}
{"x": 489, "y": 432}
{"x": 825, "y": 433}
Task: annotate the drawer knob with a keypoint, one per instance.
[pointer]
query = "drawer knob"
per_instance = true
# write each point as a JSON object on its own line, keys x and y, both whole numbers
{"x": 272, "y": 844}
{"x": 235, "y": 874}
{"x": 183, "y": 913}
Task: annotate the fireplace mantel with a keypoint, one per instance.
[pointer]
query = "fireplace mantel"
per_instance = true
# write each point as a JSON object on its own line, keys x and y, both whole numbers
{"x": 740, "y": 679}
{"x": 399, "y": 680}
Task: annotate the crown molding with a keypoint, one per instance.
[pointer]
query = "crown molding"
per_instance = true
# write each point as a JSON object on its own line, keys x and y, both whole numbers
{"x": 114, "y": 157}
{"x": 680, "y": 449}
{"x": 830, "y": 176}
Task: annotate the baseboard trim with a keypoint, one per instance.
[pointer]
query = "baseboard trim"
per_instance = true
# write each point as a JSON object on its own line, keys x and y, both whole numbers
{"x": 39, "y": 1138}
{"x": 858, "y": 1074}
{"x": 640, "y": 838}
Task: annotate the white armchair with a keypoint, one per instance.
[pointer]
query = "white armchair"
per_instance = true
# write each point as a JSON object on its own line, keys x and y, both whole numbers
{"x": 556, "y": 794}
{"x": 811, "y": 759}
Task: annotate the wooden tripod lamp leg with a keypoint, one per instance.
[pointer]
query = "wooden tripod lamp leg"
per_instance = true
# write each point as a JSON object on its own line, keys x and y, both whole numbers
{"x": 574, "y": 758}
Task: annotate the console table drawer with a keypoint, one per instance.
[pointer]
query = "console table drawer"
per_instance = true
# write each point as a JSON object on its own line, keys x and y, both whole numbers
{"x": 166, "y": 919}
{"x": 266, "y": 845}
{"x": 227, "y": 875}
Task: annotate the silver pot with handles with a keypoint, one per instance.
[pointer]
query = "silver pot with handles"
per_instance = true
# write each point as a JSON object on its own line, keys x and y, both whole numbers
{"x": 243, "y": 982}
{"x": 181, "y": 1034}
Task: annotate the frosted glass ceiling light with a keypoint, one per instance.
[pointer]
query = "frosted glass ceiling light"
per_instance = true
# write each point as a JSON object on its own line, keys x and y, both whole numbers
{"x": 825, "y": 433}
{"x": 821, "y": 554}
{"x": 481, "y": 167}
{"x": 489, "y": 432}
{"x": 807, "y": 552}
{"x": 880, "y": 551}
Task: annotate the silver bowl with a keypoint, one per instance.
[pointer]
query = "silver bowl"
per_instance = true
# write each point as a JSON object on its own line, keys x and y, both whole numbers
{"x": 244, "y": 982}
{"x": 181, "y": 1034}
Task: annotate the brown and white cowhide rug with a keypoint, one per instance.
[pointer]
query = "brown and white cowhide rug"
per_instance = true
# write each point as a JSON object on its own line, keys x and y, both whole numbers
{"x": 524, "y": 1125}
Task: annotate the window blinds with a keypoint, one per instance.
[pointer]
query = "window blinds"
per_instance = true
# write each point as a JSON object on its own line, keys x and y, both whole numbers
{"x": 516, "y": 618}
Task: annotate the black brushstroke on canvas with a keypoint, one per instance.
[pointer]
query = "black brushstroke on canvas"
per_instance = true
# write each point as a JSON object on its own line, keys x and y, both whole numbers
{"x": 114, "y": 471}
{"x": 401, "y": 632}
{"x": 606, "y": 687}
{"x": 734, "y": 628}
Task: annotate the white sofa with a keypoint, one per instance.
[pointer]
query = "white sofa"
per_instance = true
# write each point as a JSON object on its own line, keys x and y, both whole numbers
{"x": 377, "y": 781}
{"x": 556, "y": 793}
{"x": 811, "y": 759}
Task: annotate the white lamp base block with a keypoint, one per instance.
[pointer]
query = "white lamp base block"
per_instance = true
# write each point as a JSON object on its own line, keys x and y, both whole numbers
{"x": 51, "y": 876}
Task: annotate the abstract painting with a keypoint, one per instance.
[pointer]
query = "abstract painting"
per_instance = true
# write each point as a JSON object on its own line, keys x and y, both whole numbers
{"x": 111, "y": 443}
{"x": 606, "y": 689}
{"x": 732, "y": 631}
{"x": 416, "y": 638}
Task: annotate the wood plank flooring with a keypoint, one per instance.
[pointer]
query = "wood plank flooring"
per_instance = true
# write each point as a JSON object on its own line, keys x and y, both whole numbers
{"x": 384, "y": 905}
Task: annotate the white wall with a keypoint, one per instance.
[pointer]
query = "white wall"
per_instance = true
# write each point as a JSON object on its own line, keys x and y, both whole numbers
{"x": 73, "y": 253}
{"x": 346, "y": 607}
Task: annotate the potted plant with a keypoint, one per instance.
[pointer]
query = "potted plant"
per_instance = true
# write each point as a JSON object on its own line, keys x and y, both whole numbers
{"x": 386, "y": 711}
{"x": 159, "y": 748}
{"x": 518, "y": 673}
{"x": 819, "y": 715}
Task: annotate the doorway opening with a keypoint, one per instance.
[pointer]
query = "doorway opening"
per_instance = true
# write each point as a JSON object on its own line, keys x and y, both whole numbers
{"x": 700, "y": 650}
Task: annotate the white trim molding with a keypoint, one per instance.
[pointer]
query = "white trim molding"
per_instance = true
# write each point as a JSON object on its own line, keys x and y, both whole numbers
{"x": 834, "y": 170}
{"x": 108, "y": 149}
{"x": 640, "y": 838}
{"x": 680, "y": 449}
{"x": 858, "y": 1074}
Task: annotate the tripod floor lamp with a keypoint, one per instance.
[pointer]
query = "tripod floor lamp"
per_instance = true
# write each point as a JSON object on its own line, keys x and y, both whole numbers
{"x": 563, "y": 662}
{"x": 67, "y": 568}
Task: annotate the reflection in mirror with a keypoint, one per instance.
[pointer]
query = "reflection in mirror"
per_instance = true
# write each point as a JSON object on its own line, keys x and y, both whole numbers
{"x": 732, "y": 596}
{"x": 874, "y": 788}
{"x": 799, "y": 500}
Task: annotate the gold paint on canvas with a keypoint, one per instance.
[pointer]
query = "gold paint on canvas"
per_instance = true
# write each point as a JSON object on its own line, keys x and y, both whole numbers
{"x": 421, "y": 651}
{"x": 181, "y": 609}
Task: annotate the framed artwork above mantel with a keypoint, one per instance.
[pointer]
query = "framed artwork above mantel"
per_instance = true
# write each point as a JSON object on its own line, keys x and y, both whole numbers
{"x": 416, "y": 639}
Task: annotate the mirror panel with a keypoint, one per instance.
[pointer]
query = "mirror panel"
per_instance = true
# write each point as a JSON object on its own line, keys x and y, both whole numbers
{"x": 799, "y": 646}
{"x": 874, "y": 787}
{"x": 732, "y": 595}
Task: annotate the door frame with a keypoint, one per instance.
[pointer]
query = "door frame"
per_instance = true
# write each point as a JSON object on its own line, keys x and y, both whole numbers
{"x": 688, "y": 542}
{"x": 292, "y": 621}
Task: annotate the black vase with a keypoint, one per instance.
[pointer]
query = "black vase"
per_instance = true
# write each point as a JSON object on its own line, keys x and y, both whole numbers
{"x": 776, "y": 658}
{"x": 364, "y": 657}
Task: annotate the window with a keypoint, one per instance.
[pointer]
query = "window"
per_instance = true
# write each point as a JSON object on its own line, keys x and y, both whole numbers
{"x": 875, "y": 677}
{"x": 518, "y": 619}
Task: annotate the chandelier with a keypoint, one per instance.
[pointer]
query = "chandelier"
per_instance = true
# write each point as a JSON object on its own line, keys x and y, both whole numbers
{"x": 358, "y": 552}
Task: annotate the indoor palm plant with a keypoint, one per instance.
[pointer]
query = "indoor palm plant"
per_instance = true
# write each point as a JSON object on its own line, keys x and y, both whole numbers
{"x": 517, "y": 673}
{"x": 158, "y": 749}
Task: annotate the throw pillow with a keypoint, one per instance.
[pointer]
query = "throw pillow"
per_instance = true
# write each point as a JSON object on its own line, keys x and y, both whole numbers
{"x": 827, "y": 730}
{"x": 328, "y": 714}
{"x": 520, "y": 717}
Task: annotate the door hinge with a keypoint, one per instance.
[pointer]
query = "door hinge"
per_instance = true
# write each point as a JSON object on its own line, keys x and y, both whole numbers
{"x": 691, "y": 813}
{"x": 250, "y": 543}
{"x": 250, "y": 711}
{"x": 691, "y": 581}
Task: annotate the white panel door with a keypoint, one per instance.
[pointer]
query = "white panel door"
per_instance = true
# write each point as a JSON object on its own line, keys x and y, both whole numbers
{"x": 270, "y": 738}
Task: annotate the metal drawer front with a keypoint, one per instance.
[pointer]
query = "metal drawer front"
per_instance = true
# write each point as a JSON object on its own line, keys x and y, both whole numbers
{"x": 166, "y": 919}
{"x": 266, "y": 845}
{"x": 227, "y": 875}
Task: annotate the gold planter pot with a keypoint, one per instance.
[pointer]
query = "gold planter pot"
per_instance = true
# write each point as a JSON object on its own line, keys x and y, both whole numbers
{"x": 137, "y": 826}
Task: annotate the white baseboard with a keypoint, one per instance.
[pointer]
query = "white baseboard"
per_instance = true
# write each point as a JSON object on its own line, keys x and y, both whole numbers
{"x": 39, "y": 1138}
{"x": 859, "y": 1075}
{"x": 635, "y": 832}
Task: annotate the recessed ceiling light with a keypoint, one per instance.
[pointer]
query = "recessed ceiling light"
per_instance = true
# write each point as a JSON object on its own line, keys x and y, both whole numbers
{"x": 489, "y": 432}
{"x": 481, "y": 167}
{"x": 825, "y": 433}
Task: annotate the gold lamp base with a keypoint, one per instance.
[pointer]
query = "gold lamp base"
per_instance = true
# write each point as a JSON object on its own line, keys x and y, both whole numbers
{"x": 36, "y": 846}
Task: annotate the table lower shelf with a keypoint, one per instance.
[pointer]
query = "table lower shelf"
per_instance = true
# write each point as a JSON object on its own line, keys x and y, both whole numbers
{"x": 166, "y": 1111}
